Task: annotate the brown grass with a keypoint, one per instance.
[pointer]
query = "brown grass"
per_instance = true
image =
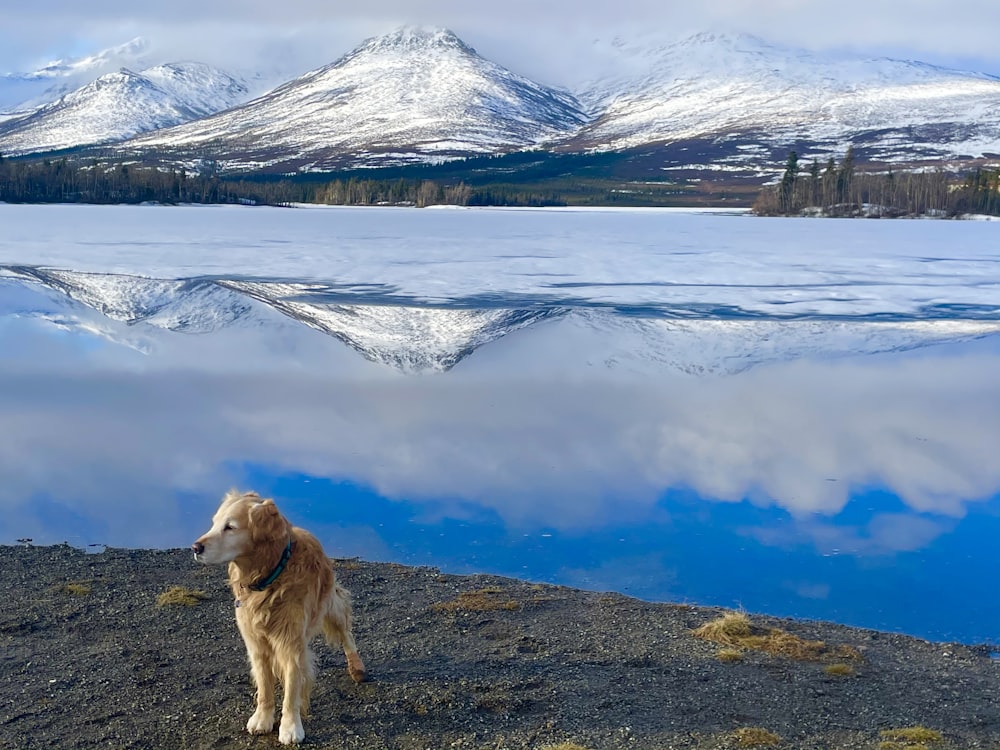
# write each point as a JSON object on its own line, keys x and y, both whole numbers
{"x": 839, "y": 670}
{"x": 564, "y": 746}
{"x": 730, "y": 629}
{"x": 755, "y": 737}
{"x": 735, "y": 630}
{"x": 909, "y": 738}
{"x": 180, "y": 596}
{"x": 76, "y": 588}
{"x": 481, "y": 600}
{"x": 729, "y": 655}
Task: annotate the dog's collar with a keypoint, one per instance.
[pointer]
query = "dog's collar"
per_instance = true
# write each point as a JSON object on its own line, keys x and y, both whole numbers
{"x": 273, "y": 575}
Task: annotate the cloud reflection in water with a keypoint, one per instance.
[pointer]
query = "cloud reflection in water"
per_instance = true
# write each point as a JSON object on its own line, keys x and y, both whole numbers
{"x": 666, "y": 488}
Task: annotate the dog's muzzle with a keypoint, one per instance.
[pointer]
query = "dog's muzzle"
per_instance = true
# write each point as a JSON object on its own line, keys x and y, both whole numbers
{"x": 198, "y": 548}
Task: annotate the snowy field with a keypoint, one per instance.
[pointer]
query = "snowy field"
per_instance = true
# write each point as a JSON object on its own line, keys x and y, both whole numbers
{"x": 631, "y": 400}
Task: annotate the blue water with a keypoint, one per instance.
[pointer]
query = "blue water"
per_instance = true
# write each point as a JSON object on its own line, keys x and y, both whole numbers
{"x": 694, "y": 550}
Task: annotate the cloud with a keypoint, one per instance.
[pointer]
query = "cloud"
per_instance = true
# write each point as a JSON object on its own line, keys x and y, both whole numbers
{"x": 883, "y": 534}
{"x": 550, "y": 41}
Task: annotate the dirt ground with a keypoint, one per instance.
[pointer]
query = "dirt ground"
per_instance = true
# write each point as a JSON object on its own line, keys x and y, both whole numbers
{"x": 88, "y": 659}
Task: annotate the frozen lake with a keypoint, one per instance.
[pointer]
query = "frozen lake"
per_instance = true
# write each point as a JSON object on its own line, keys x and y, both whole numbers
{"x": 793, "y": 416}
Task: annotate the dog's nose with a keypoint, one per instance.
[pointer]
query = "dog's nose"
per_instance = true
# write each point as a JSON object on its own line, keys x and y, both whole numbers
{"x": 197, "y": 548}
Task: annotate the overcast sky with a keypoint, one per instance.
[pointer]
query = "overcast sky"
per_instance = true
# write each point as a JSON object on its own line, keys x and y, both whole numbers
{"x": 547, "y": 41}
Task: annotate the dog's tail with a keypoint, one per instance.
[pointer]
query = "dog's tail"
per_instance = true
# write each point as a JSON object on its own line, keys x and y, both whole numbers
{"x": 337, "y": 630}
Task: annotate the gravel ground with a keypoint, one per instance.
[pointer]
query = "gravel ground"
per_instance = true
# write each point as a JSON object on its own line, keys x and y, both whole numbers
{"x": 89, "y": 660}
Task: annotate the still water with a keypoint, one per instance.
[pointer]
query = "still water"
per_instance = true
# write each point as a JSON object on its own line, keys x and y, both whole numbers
{"x": 678, "y": 407}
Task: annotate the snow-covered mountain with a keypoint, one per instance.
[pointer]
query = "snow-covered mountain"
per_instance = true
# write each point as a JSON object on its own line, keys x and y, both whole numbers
{"x": 414, "y": 95}
{"x": 755, "y": 97}
{"x": 417, "y": 95}
{"x": 412, "y": 338}
{"x": 113, "y": 56}
{"x": 23, "y": 92}
{"x": 119, "y": 105}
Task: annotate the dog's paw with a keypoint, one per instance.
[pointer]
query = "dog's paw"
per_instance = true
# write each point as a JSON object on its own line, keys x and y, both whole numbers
{"x": 356, "y": 668}
{"x": 291, "y": 732}
{"x": 262, "y": 722}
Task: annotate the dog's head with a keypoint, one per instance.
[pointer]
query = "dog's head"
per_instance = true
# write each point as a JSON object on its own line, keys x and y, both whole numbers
{"x": 243, "y": 523}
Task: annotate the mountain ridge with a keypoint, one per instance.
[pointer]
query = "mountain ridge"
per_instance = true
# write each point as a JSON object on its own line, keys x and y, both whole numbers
{"x": 415, "y": 95}
{"x": 711, "y": 101}
{"x": 121, "y": 104}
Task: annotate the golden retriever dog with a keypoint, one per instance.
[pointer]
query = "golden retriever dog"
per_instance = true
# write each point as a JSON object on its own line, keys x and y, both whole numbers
{"x": 286, "y": 594}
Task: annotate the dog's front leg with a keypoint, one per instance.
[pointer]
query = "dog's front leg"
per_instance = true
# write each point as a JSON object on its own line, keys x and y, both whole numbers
{"x": 262, "y": 720}
{"x": 293, "y": 659}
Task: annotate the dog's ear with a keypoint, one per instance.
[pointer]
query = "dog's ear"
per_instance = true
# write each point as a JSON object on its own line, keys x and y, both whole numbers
{"x": 265, "y": 521}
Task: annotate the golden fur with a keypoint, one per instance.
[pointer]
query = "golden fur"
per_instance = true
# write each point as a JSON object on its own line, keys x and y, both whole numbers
{"x": 278, "y": 623}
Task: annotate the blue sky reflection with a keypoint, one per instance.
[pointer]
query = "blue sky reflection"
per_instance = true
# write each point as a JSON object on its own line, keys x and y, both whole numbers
{"x": 875, "y": 564}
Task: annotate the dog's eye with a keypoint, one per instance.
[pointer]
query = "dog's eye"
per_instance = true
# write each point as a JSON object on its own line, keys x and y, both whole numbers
{"x": 228, "y": 527}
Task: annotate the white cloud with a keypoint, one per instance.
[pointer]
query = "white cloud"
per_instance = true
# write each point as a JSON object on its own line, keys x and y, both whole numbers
{"x": 548, "y": 41}
{"x": 883, "y": 534}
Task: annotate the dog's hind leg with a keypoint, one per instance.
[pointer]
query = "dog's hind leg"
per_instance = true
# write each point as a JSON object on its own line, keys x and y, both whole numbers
{"x": 337, "y": 630}
{"x": 309, "y": 679}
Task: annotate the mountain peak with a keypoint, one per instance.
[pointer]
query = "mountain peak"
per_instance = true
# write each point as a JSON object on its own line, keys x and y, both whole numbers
{"x": 414, "y": 38}
{"x": 723, "y": 39}
{"x": 122, "y": 77}
{"x": 129, "y": 51}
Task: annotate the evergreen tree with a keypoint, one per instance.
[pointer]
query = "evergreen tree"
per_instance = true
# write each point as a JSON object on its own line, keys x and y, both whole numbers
{"x": 814, "y": 183}
{"x": 845, "y": 176}
{"x": 787, "y": 195}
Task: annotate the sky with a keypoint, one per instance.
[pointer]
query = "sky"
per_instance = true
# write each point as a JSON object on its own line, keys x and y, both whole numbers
{"x": 551, "y": 42}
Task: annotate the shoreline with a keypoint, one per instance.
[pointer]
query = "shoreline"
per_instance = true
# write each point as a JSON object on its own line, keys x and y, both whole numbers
{"x": 90, "y": 659}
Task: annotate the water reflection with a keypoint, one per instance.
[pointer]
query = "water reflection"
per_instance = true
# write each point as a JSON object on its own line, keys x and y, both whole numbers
{"x": 865, "y": 490}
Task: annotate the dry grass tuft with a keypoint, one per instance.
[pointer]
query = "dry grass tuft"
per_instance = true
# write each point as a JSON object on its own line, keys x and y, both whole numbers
{"x": 564, "y": 746}
{"x": 180, "y": 596}
{"x": 729, "y": 630}
{"x": 909, "y": 738}
{"x": 839, "y": 670}
{"x": 729, "y": 655}
{"x": 482, "y": 600}
{"x": 755, "y": 737}
{"x": 76, "y": 588}
{"x": 735, "y": 630}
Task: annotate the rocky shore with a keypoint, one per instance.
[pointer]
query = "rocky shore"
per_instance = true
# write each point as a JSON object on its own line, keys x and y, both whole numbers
{"x": 93, "y": 656}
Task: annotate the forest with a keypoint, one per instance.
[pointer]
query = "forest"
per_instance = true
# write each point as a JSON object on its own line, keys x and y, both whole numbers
{"x": 844, "y": 190}
{"x": 64, "y": 181}
{"x": 837, "y": 189}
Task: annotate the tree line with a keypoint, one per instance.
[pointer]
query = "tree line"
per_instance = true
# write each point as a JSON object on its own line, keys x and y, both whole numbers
{"x": 372, "y": 192}
{"x": 842, "y": 190}
{"x": 836, "y": 189}
{"x": 94, "y": 181}
{"x": 62, "y": 181}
